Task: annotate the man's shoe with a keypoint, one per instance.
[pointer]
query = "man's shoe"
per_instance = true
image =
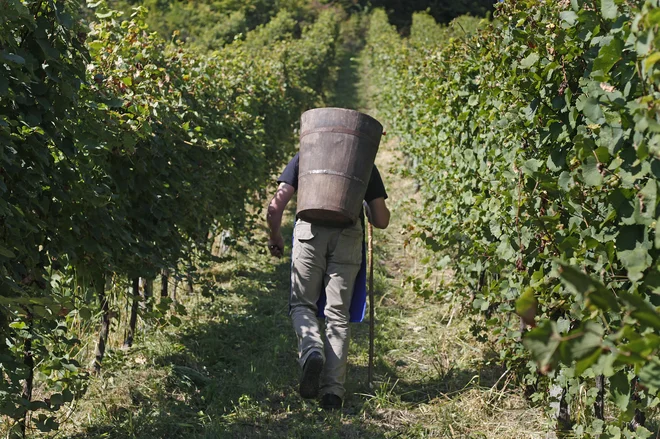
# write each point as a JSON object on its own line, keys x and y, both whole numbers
{"x": 330, "y": 401}
{"x": 311, "y": 374}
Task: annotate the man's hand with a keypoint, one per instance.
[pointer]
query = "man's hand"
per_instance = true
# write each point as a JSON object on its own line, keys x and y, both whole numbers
{"x": 367, "y": 211}
{"x": 276, "y": 246}
{"x": 274, "y": 218}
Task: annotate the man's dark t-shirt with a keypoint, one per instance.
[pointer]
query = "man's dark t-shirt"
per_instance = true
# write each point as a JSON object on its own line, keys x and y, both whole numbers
{"x": 375, "y": 187}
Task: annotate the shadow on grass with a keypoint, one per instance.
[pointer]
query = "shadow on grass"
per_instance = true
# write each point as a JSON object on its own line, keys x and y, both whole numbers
{"x": 391, "y": 382}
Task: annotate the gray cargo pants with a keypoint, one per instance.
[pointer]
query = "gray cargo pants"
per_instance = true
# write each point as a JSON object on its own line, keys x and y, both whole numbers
{"x": 324, "y": 258}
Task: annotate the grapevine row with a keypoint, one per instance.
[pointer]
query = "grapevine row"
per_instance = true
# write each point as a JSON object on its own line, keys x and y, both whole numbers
{"x": 534, "y": 142}
{"x": 121, "y": 157}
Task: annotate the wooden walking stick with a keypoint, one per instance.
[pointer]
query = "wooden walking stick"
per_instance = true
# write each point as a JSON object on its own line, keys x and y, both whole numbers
{"x": 370, "y": 244}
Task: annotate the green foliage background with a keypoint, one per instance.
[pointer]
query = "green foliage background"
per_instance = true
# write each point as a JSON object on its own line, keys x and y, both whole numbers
{"x": 212, "y": 24}
{"x": 400, "y": 12}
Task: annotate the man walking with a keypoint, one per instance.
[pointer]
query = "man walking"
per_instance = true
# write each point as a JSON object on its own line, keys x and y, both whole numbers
{"x": 326, "y": 259}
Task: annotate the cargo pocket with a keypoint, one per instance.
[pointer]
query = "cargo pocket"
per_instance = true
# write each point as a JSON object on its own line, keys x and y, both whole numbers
{"x": 349, "y": 246}
{"x": 303, "y": 235}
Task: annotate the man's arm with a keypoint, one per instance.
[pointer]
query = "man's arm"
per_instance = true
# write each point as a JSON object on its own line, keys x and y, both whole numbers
{"x": 378, "y": 213}
{"x": 274, "y": 218}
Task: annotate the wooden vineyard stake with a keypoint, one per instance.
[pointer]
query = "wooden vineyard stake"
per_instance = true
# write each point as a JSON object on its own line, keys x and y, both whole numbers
{"x": 371, "y": 303}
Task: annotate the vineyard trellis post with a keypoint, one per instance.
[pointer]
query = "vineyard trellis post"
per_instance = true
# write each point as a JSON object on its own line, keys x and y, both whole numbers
{"x": 102, "y": 286}
{"x": 371, "y": 305}
{"x": 132, "y": 324}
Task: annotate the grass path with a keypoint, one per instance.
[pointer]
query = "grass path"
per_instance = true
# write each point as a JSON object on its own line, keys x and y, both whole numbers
{"x": 230, "y": 370}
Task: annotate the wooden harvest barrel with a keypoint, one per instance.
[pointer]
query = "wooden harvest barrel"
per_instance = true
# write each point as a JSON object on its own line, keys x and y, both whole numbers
{"x": 337, "y": 152}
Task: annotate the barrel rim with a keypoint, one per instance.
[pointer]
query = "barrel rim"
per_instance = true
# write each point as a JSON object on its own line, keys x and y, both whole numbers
{"x": 346, "y": 110}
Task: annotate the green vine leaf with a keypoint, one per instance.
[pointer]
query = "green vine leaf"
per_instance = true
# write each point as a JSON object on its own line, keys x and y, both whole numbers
{"x": 608, "y": 55}
{"x": 608, "y": 9}
{"x": 529, "y": 61}
{"x": 526, "y": 307}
